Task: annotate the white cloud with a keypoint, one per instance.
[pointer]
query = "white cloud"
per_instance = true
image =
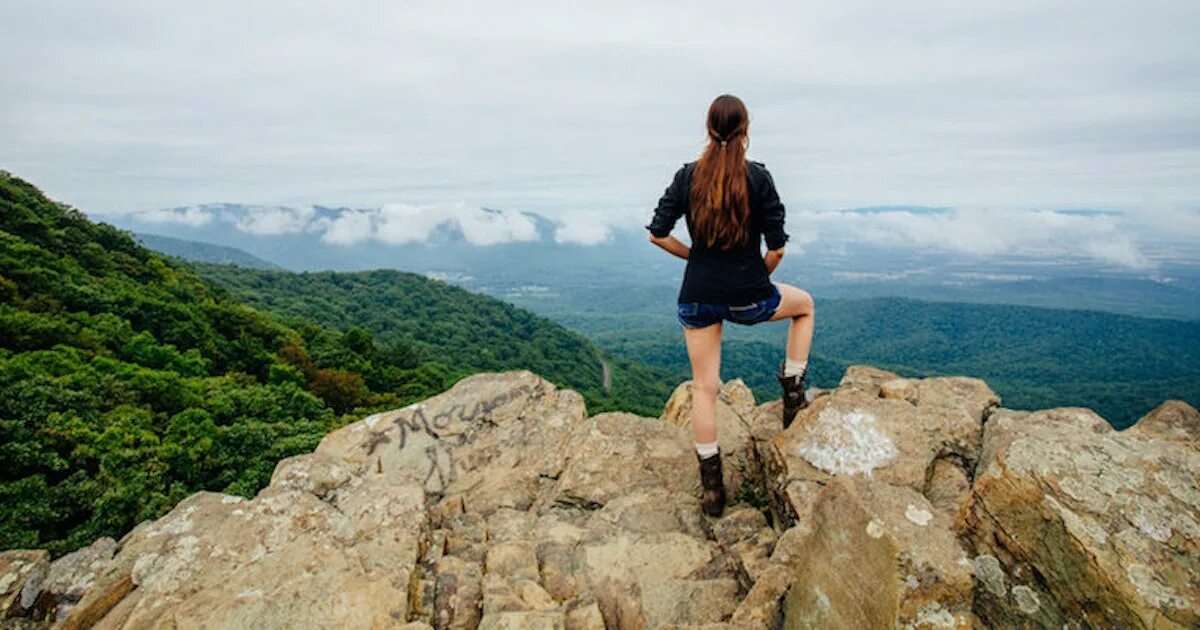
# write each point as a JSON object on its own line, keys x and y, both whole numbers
{"x": 593, "y": 227}
{"x": 398, "y": 223}
{"x": 1108, "y": 237}
{"x": 483, "y": 227}
{"x": 274, "y": 220}
{"x": 1123, "y": 239}
{"x": 990, "y": 232}
{"x": 193, "y": 216}
{"x": 582, "y": 230}
{"x": 1121, "y": 251}
{"x": 348, "y": 228}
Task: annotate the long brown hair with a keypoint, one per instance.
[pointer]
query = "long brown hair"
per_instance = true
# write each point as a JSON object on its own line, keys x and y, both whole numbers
{"x": 718, "y": 199}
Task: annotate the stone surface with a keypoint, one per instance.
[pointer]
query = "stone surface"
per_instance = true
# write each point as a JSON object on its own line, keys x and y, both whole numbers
{"x": 1073, "y": 521}
{"x": 886, "y": 541}
{"x": 69, "y": 577}
{"x": 889, "y": 502}
{"x": 1173, "y": 420}
{"x": 586, "y": 617}
{"x": 498, "y": 504}
{"x": 895, "y": 431}
{"x": 454, "y": 443}
{"x": 21, "y": 575}
{"x": 219, "y": 561}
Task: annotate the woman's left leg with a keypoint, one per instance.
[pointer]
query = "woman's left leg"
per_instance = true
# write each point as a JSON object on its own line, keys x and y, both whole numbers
{"x": 704, "y": 352}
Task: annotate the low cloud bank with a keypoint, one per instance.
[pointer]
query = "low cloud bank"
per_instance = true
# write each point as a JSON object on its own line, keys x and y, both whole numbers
{"x": 1127, "y": 239}
{"x": 397, "y": 224}
{"x": 392, "y": 224}
{"x": 987, "y": 232}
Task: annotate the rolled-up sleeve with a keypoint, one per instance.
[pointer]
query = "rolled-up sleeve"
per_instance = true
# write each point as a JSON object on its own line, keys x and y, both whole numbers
{"x": 670, "y": 206}
{"x": 773, "y": 214}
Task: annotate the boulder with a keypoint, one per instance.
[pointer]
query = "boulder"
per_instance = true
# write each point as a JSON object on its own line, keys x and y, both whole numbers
{"x": 1173, "y": 420}
{"x": 923, "y": 434}
{"x": 286, "y": 557}
{"x": 489, "y": 440}
{"x": 614, "y": 453}
{"x": 886, "y": 541}
{"x": 547, "y": 517}
{"x": 1072, "y": 521}
{"x": 69, "y": 577}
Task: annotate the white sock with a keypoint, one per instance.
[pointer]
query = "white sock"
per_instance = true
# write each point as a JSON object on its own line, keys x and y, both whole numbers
{"x": 706, "y": 449}
{"x": 793, "y": 367}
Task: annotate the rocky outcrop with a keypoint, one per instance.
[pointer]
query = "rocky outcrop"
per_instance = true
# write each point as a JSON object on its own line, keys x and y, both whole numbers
{"x": 886, "y": 540}
{"x": 875, "y": 476}
{"x": 921, "y": 434}
{"x": 888, "y": 502}
{"x": 1075, "y": 523}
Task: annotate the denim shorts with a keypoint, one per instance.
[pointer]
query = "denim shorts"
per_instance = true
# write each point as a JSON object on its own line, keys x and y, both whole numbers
{"x": 701, "y": 315}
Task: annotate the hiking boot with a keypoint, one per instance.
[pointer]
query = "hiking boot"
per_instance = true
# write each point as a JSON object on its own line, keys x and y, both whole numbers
{"x": 713, "y": 498}
{"x": 793, "y": 394}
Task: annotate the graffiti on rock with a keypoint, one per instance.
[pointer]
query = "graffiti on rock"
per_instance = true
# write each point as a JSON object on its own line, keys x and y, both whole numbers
{"x": 443, "y": 469}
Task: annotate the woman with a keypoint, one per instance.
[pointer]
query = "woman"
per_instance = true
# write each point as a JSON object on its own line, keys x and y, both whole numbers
{"x": 731, "y": 205}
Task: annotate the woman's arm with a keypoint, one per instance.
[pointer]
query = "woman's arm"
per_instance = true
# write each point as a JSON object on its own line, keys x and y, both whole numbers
{"x": 670, "y": 207}
{"x": 773, "y": 213}
{"x": 672, "y": 245}
{"x": 772, "y": 259}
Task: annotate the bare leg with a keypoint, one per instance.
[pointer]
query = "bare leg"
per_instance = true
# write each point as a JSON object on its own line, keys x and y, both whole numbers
{"x": 704, "y": 351}
{"x": 798, "y": 305}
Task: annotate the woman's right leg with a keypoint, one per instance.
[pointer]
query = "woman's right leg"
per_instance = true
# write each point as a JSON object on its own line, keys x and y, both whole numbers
{"x": 798, "y": 305}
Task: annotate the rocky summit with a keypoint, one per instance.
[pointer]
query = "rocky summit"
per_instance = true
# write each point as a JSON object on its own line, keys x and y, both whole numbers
{"x": 500, "y": 503}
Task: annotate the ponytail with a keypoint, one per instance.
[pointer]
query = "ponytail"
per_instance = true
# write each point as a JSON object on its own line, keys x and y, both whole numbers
{"x": 719, "y": 200}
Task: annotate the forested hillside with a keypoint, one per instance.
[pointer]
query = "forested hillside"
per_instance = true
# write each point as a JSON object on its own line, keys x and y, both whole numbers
{"x": 207, "y": 252}
{"x": 466, "y": 332}
{"x": 127, "y": 381}
{"x": 1119, "y": 365}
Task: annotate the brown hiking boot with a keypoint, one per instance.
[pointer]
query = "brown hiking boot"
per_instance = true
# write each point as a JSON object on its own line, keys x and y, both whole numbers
{"x": 713, "y": 497}
{"x": 793, "y": 394}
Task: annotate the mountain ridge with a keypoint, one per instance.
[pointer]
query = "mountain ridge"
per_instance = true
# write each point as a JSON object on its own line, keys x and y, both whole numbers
{"x": 202, "y": 251}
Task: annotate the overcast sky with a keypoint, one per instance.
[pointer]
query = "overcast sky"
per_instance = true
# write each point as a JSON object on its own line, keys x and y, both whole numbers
{"x": 132, "y": 106}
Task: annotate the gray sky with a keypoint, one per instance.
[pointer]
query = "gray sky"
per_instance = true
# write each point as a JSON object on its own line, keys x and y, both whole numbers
{"x": 587, "y": 111}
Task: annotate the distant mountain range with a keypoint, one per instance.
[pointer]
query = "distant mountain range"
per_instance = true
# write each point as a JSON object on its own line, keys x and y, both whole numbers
{"x": 477, "y": 242}
{"x": 514, "y": 253}
{"x": 204, "y": 252}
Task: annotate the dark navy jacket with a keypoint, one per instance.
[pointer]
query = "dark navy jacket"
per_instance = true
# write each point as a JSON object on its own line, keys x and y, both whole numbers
{"x": 737, "y": 276}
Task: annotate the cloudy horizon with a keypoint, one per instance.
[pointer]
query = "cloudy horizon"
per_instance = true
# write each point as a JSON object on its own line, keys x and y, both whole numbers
{"x": 1002, "y": 113}
{"x": 1109, "y": 238}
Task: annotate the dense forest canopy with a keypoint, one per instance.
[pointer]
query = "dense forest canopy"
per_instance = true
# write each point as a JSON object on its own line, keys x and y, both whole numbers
{"x": 1035, "y": 358}
{"x": 127, "y": 381}
{"x": 447, "y": 324}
